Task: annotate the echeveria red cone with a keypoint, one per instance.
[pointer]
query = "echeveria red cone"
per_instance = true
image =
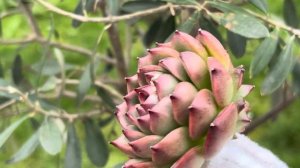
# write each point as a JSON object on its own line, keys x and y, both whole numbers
{"x": 183, "y": 104}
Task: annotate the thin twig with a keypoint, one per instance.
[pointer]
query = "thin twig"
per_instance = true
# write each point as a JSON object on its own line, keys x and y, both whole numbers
{"x": 111, "y": 19}
{"x": 269, "y": 115}
{"x": 31, "y": 20}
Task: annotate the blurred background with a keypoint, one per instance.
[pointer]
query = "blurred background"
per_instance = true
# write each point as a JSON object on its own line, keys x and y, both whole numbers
{"x": 62, "y": 73}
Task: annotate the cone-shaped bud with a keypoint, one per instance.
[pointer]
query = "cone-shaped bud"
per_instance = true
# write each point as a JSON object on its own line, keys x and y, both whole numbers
{"x": 191, "y": 159}
{"x": 201, "y": 113}
{"x": 146, "y": 60}
{"x": 131, "y": 82}
{"x": 132, "y": 134}
{"x": 244, "y": 119}
{"x": 243, "y": 91}
{"x": 238, "y": 74}
{"x": 122, "y": 144}
{"x": 221, "y": 130}
{"x": 184, "y": 42}
{"x": 195, "y": 67}
{"x": 181, "y": 103}
{"x": 145, "y": 91}
{"x": 138, "y": 163}
{"x": 159, "y": 53}
{"x": 174, "y": 66}
{"x": 221, "y": 82}
{"x": 150, "y": 102}
{"x": 151, "y": 68}
{"x": 141, "y": 146}
{"x": 131, "y": 99}
{"x": 161, "y": 119}
{"x": 171, "y": 147}
{"x": 165, "y": 85}
{"x": 120, "y": 115}
{"x": 143, "y": 123}
{"x": 214, "y": 48}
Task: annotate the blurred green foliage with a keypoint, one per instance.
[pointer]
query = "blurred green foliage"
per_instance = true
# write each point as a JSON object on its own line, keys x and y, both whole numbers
{"x": 280, "y": 134}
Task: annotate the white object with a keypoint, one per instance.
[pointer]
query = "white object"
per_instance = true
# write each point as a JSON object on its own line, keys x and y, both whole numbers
{"x": 244, "y": 153}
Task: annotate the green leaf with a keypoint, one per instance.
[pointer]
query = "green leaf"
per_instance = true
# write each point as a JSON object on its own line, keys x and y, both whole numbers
{"x": 237, "y": 44}
{"x": 296, "y": 78}
{"x": 1, "y": 31}
{"x": 140, "y": 5}
{"x": 260, "y": 4}
{"x": 82, "y": 7}
{"x": 73, "y": 151}
{"x": 113, "y": 7}
{"x": 263, "y": 54}
{"x": 96, "y": 144}
{"x": 166, "y": 29}
{"x": 50, "y": 136}
{"x": 26, "y": 150}
{"x": 280, "y": 71}
{"x": 9, "y": 130}
{"x": 85, "y": 84}
{"x": 182, "y": 2}
{"x": 1, "y": 71}
{"x": 190, "y": 23}
{"x": 152, "y": 32}
{"x": 51, "y": 67}
{"x": 105, "y": 121}
{"x": 238, "y": 21}
{"x": 290, "y": 13}
{"x": 50, "y": 84}
{"x": 106, "y": 97}
{"x": 17, "y": 73}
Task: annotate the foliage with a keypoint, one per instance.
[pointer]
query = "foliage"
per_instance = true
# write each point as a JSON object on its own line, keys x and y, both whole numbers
{"x": 62, "y": 66}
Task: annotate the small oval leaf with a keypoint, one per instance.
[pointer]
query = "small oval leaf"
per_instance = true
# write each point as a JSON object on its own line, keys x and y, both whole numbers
{"x": 96, "y": 145}
{"x": 26, "y": 150}
{"x": 73, "y": 151}
{"x": 85, "y": 83}
{"x": 237, "y": 44}
{"x": 280, "y": 70}
{"x": 263, "y": 54}
{"x": 238, "y": 21}
{"x": 9, "y": 130}
{"x": 50, "y": 136}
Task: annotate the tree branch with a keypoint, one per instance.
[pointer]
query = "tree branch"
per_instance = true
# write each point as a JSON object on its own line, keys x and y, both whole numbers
{"x": 269, "y": 115}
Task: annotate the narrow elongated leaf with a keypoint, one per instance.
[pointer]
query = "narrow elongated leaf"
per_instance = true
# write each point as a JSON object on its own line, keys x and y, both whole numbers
{"x": 17, "y": 73}
{"x": 139, "y": 5}
{"x": 290, "y": 13}
{"x": 51, "y": 67}
{"x": 190, "y": 23}
{"x": 9, "y": 130}
{"x": 263, "y": 54}
{"x": 73, "y": 152}
{"x": 296, "y": 78}
{"x": 280, "y": 70}
{"x": 106, "y": 97}
{"x": 26, "y": 150}
{"x": 1, "y": 71}
{"x": 50, "y": 84}
{"x": 237, "y": 44}
{"x": 96, "y": 144}
{"x": 50, "y": 137}
{"x": 85, "y": 83}
{"x": 166, "y": 29}
{"x": 238, "y": 21}
{"x": 260, "y": 4}
{"x": 152, "y": 32}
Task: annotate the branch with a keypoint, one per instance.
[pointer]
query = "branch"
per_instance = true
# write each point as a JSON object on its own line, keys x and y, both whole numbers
{"x": 28, "y": 13}
{"x": 111, "y": 19}
{"x": 269, "y": 115}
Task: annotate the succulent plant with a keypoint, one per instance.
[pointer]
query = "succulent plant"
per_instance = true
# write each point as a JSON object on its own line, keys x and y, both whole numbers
{"x": 183, "y": 104}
